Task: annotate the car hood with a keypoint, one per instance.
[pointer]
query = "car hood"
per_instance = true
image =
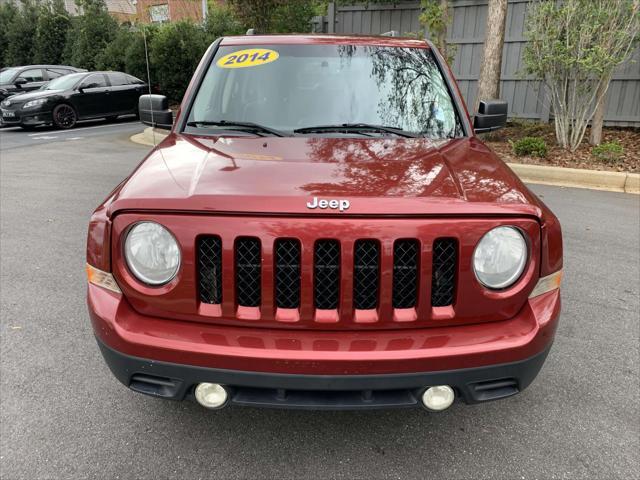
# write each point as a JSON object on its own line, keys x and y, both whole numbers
{"x": 25, "y": 97}
{"x": 397, "y": 176}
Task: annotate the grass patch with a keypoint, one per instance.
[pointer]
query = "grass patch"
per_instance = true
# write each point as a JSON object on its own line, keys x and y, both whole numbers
{"x": 608, "y": 152}
{"x": 530, "y": 147}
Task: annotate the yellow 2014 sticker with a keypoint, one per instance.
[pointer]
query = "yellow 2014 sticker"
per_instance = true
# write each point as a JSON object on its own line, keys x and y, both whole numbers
{"x": 251, "y": 57}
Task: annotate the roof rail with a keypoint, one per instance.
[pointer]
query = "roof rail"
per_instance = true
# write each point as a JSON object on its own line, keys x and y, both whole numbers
{"x": 392, "y": 33}
{"x": 251, "y": 31}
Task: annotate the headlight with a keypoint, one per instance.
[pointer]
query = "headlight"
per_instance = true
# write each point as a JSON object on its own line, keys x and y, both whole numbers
{"x": 34, "y": 103}
{"x": 152, "y": 253}
{"x": 500, "y": 257}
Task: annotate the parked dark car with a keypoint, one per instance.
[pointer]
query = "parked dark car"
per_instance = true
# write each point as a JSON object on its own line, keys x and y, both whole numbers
{"x": 15, "y": 80}
{"x": 78, "y": 96}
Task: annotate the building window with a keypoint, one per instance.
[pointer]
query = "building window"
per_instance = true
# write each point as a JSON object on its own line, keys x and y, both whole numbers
{"x": 159, "y": 13}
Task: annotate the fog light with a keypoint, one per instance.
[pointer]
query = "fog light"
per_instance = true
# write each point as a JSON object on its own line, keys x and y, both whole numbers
{"x": 211, "y": 395}
{"x": 438, "y": 398}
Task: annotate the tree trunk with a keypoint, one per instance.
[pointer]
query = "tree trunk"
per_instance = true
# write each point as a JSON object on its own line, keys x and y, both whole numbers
{"x": 598, "y": 117}
{"x": 489, "y": 81}
{"x": 442, "y": 35}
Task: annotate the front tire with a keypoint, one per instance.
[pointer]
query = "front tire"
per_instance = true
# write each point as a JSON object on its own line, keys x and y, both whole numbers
{"x": 64, "y": 116}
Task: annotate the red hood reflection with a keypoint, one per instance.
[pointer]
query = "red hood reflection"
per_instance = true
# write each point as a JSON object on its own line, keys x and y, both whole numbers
{"x": 280, "y": 175}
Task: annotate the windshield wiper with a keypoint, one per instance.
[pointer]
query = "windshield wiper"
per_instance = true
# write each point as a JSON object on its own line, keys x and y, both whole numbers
{"x": 231, "y": 125}
{"x": 355, "y": 127}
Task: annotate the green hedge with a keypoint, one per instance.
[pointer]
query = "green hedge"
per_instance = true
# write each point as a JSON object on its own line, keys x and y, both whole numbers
{"x": 39, "y": 32}
{"x": 174, "y": 51}
{"x": 45, "y": 33}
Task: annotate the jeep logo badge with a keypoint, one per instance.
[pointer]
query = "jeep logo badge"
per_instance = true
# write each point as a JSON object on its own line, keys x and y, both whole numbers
{"x": 334, "y": 204}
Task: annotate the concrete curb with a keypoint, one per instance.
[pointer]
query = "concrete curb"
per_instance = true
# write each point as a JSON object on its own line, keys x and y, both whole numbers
{"x": 147, "y": 136}
{"x": 542, "y": 174}
{"x": 578, "y": 178}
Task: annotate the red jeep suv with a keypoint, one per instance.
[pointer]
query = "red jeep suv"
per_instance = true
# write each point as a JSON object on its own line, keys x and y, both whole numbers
{"x": 322, "y": 228}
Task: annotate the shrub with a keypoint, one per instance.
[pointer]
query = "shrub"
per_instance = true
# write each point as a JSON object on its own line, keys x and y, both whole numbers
{"x": 574, "y": 46}
{"x": 608, "y": 152}
{"x": 134, "y": 56}
{"x": 90, "y": 34}
{"x": 113, "y": 57}
{"x": 531, "y": 147}
{"x": 221, "y": 21}
{"x": 51, "y": 33}
{"x": 20, "y": 33}
{"x": 275, "y": 16}
{"x": 175, "y": 50}
{"x": 8, "y": 13}
{"x": 293, "y": 17}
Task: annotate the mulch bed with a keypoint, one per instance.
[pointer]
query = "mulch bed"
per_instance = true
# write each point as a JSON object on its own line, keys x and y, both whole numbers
{"x": 629, "y": 138}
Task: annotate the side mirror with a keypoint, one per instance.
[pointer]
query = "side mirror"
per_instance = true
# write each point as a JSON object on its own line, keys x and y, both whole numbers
{"x": 492, "y": 115}
{"x": 154, "y": 111}
{"x": 20, "y": 81}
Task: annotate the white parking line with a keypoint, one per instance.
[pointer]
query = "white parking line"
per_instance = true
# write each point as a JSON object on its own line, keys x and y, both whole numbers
{"x": 73, "y": 130}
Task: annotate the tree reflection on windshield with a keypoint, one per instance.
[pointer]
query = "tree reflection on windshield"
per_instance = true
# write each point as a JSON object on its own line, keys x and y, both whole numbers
{"x": 418, "y": 92}
{"x": 319, "y": 85}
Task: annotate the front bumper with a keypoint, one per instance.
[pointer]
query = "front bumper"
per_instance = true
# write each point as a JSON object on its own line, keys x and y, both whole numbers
{"x": 31, "y": 117}
{"x": 322, "y": 392}
{"x": 323, "y": 369}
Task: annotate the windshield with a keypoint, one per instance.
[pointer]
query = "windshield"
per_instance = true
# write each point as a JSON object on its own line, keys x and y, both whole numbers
{"x": 288, "y": 87}
{"x": 63, "y": 83}
{"x": 6, "y": 75}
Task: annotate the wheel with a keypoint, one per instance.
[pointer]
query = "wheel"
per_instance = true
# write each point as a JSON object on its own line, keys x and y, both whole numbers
{"x": 112, "y": 118}
{"x": 64, "y": 116}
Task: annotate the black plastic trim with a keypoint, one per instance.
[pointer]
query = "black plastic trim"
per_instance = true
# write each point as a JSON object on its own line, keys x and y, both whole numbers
{"x": 336, "y": 392}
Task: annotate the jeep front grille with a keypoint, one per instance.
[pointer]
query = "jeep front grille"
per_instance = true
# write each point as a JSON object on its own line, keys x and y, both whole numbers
{"x": 366, "y": 269}
{"x": 210, "y": 269}
{"x": 287, "y": 273}
{"x": 248, "y": 272}
{"x": 399, "y": 288}
{"x": 443, "y": 282}
{"x": 327, "y": 274}
{"x": 405, "y": 273}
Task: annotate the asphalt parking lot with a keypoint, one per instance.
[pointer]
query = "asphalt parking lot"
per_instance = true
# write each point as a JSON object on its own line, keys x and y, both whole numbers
{"x": 64, "y": 416}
